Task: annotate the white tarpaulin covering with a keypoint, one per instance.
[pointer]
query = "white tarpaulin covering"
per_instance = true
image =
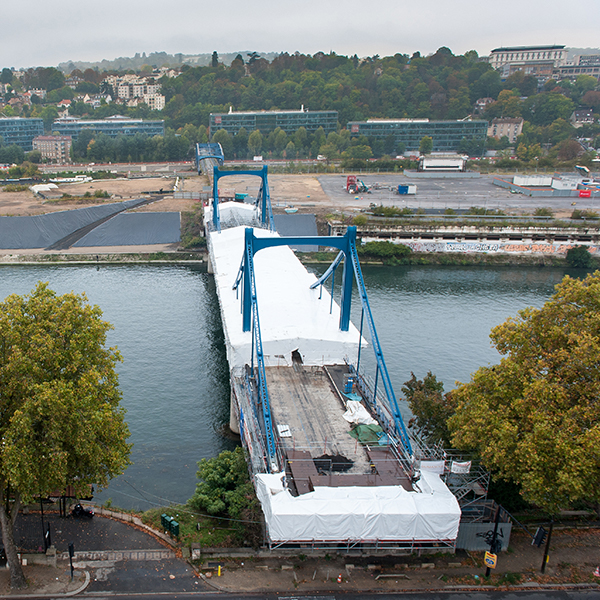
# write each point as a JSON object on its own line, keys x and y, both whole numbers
{"x": 358, "y": 414}
{"x": 368, "y": 513}
{"x": 292, "y": 316}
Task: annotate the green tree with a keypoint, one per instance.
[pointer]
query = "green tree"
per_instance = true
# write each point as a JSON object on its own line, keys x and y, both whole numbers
{"x": 329, "y": 151}
{"x": 222, "y": 137}
{"x": 60, "y": 423}
{"x": 6, "y": 76}
{"x": 225, "y": 490}
{"x": 214, "y": 61}
{"x": 426, "y": 145}
{"x": 579, "y": 257}
{"x": 534, "y": 417}
{"x": 255, "y": 142}
{"x": 430, "y": 406}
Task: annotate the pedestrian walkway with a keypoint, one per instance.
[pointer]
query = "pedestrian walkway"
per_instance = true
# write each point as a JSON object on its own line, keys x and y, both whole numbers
{"x": 113, "y": 556}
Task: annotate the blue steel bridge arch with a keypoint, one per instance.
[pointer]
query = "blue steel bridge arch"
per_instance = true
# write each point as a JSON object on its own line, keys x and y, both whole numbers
{"x": 263, "y": 199}
{"x": 351, "y": 271}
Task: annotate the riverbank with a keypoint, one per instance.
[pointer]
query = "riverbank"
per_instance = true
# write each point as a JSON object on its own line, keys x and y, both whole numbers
{"x": 124, "y": 255}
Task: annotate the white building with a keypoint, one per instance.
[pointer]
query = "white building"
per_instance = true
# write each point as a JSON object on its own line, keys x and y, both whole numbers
{"x": 538, "y": 61}
{"x": 509, "y": 127}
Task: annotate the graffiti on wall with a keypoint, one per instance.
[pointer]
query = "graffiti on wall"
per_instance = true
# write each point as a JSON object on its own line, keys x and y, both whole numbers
{"x": 497, "y": 247}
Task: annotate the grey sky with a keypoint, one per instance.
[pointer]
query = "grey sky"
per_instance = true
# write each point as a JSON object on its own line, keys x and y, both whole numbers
{"x": 42, "y": 33}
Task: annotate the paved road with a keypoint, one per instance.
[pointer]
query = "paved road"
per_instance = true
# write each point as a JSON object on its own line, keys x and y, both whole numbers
{"x": 119, "y": 557}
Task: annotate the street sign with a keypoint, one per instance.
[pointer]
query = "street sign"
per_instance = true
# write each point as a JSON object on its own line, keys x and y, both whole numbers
{"x": 490, "y": 560}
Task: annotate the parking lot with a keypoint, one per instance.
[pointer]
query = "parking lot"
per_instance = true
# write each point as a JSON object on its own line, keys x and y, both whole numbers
{"x": 440, "y": 193}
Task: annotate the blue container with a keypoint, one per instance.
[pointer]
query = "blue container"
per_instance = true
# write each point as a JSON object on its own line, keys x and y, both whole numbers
{"x": 403, "y": 189}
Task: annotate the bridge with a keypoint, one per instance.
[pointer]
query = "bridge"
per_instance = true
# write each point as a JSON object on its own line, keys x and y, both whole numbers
{"x": 331, "y": 459}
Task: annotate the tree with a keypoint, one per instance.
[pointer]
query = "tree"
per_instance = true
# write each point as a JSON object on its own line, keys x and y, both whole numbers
{"x": 214, "y": 59}
{"x": 534, "y": 417}
{"x": 225, "y": 490}
{"x": 255, "y": 142}
{"x": 430, "y": 406}
{"x": 579, "y": 257}
{"x": 426, "y": 145}
{"x": 6, "y": 76}
{"x": 61, "y": 423}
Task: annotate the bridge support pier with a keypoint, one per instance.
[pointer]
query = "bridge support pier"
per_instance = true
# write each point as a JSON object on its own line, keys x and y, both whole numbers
{"x": 234, "y": 419}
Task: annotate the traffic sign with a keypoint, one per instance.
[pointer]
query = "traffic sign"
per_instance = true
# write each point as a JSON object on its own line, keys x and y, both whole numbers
{"x": 490, "y": 560}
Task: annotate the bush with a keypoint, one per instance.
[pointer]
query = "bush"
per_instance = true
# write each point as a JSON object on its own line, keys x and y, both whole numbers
{"x": 584, "y": 214}
{"x": 543, "y": 212}
{"x": 14, "y": 187}
{"x": 579, "y": 257}
{"x": 384, "y": 250}
{"x": 225, "y": 488}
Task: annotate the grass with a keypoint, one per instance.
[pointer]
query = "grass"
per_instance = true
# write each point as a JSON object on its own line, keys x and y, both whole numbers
{"x": 196, "y": 528}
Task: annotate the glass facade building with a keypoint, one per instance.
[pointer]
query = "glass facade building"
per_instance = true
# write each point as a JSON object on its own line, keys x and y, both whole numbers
{"x": 268, "y": 120}
{"x": 112, "y": 127}
{"x": 446, "y": 135}
{"x": 16, "y": 130}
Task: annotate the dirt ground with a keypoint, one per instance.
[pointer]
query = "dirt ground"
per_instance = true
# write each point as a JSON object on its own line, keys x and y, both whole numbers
{"x": 302, "y": 191}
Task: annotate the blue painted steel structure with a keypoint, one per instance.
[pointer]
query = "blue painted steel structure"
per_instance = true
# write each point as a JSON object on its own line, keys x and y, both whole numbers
{"x": 211, "y": 150}
{"x": 250, "y": 318}
{"x": 263, "y": 199}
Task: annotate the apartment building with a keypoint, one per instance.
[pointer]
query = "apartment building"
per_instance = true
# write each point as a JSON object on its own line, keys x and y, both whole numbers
{"x": 509, "y": 127}
{"x": 54, "y": 148}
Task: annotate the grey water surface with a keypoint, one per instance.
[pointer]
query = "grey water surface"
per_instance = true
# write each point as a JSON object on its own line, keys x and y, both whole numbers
{"x": 174, "y": 374}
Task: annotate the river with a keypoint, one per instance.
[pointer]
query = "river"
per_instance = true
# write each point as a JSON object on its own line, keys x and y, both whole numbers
{"x": 174, "y": 375}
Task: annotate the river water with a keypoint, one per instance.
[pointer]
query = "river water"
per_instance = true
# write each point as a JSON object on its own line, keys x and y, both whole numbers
{"x": 174, "y": 375}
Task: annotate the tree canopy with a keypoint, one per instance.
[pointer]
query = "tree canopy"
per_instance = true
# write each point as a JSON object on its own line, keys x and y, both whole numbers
{"x": 60, "y": 418}
{"x": 534, "y": 418}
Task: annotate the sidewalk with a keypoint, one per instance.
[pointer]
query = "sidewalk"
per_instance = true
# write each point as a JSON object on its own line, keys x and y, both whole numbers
{"x": 119, "y": 557}
{"x": 574, "y": 555}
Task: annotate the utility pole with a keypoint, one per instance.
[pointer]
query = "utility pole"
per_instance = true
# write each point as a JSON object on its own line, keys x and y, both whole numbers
{"x": 547, "y": 548}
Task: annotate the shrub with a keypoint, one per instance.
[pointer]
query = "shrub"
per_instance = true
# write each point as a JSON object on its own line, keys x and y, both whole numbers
{"x": 384, "y": 250}
{"x": 579, "y": 257}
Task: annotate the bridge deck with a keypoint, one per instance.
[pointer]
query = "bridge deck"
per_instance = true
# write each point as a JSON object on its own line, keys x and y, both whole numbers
{"x": 303, "y": 399}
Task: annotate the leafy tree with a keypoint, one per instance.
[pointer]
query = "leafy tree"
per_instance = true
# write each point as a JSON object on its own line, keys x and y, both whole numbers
{"x": 430, "y": 406}
{"x": 214, "y": 60}
{"x": 360, "y": 151}
{"x": 591, "y": 99}
{"x": 329, "y": 151}
{"x": 569, "y": 150}
{"x": 534, "y": 417}
{"x": 225, "y": 139}
{"x": 426, "y": 145}
{"x": 6, "y": 76}
{"x": 61, "y": 423}
{"x": 255, "y": 142}
{"x": 225, "y": 490}
{"x": 579, "y": 257}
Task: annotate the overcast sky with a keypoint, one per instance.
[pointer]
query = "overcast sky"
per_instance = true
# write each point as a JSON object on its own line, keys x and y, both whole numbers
{"x": 44, "y": 33}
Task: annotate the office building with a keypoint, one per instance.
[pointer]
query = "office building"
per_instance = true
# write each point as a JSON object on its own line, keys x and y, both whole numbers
{"x": 16, "y": 130}
{"x": 268, "y": 120}
{"x": 446, "y": 135}
{"x": 539, "y": 61}
{"x": 112, "y": 126}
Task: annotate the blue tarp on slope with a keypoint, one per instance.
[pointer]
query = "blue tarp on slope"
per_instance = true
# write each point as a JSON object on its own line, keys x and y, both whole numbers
{"x": 297, "y": 225}
{"x": 135, "y": 229}
{"x": 41, "y": 231}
